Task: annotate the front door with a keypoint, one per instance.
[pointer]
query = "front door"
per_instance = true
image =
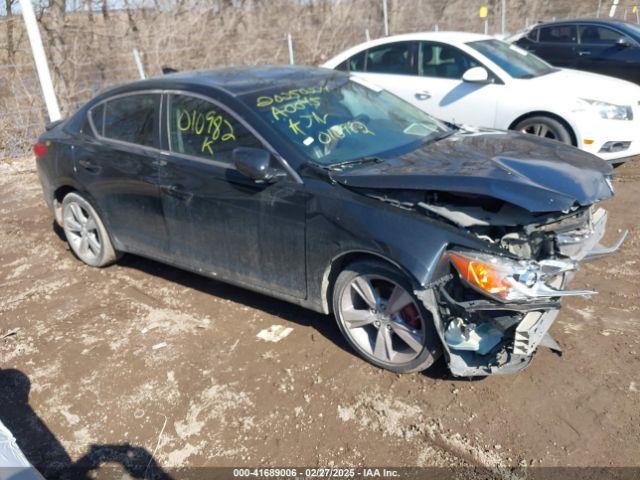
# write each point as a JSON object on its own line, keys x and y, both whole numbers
{"x": 118, "y": 166}
{"x": 608, "y": 52}
{"x": 220, "y": 222}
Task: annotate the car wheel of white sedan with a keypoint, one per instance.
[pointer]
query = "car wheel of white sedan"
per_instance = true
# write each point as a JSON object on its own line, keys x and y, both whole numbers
{"x": 545, "y": 127}
{"x": 85, "y": 232}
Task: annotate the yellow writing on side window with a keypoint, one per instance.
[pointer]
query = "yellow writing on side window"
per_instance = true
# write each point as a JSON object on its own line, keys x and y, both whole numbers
{"x": 212, "y": 126}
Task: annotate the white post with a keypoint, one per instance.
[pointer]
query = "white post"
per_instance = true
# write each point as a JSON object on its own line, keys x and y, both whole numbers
{"x": 638, "y": 15}
{"x": 136, "y": 57}
{"x": 40, "y": 59}
{"x": 290, "y": 45}
{"x": 385, "y": 15}
{"x": 366, "y": 34}
{"x": 614, "y": 6}
{"x": 599, "y": 8}
{"x": 504, "y": 16}
{"x": 626, "y": 13}
{"x": 486, "y": 26}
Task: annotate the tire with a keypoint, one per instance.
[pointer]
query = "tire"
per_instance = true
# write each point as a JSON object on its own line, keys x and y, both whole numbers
{"x": 391, "y": 329}
{"x": 545, "y": 127}
{"x": 85, "y": 232}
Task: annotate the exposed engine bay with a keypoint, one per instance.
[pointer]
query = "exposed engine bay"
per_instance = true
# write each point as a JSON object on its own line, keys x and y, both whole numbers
{"x": 493, "y": 309}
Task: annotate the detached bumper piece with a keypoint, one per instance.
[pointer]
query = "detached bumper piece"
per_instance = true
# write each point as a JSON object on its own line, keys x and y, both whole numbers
{"x": 483, "y": 333}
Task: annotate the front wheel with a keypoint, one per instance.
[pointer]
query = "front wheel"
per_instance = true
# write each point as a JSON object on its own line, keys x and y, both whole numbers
{"x": 380, "y": 317}
{"x": 545, "y": 127}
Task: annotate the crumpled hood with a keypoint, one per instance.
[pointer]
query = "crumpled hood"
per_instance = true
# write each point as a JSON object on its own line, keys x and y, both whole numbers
{"x": 537, "y": 175}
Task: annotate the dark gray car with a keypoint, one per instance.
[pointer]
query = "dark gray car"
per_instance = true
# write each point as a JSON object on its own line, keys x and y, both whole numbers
{"x": 314, "y": 187}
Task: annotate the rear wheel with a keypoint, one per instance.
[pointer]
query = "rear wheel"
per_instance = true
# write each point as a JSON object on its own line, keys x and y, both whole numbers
{"x": 382, "y": 320}
{"x": 545, "y": 127}
{"x": 85, "y": 232}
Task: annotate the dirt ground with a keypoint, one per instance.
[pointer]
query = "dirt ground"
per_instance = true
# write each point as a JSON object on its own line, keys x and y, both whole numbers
{"x": 144, "y": 358}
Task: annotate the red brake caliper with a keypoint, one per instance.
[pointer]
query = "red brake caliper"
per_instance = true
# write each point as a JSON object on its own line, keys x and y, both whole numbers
{"x": 411, "y": 316}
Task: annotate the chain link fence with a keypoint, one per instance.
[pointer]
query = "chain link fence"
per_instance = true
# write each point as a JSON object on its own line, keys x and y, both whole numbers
{"x": 89, "y": 43}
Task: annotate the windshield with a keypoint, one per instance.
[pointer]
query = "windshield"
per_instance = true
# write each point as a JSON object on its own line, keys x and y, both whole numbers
{"x": 512, "y": 59}
{"x": 635, "y": 29}
{"x": 344, "y": 119}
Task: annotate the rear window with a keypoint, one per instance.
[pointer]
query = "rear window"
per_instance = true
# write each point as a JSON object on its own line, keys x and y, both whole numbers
{"x": 393, "y": 58}
{"x": 355, "y": 63}
{"x": 131, "y": 119}
{"x": 559, "y": 34}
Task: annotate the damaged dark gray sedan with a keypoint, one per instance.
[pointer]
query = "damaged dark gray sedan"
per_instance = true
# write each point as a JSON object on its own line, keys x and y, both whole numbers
{"x": 319, "y": 188}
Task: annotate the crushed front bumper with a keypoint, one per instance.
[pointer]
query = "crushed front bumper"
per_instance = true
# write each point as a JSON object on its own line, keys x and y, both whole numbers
{"x": 524, "y": 326}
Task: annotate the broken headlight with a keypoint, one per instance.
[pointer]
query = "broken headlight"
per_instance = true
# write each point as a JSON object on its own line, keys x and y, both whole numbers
{"x": 508, "y": 280}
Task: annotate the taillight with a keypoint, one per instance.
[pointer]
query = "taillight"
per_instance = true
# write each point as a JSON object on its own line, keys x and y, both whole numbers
{"x": 39, "y": 149}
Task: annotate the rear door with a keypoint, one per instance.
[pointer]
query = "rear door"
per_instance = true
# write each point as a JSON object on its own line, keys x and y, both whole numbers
{"x": 608, "y": 51}
{"x": 220, "y": 222}
{"x": 118, "y": 166}
{"x": 391, "y": 66}
{"x": 557, "y": 44}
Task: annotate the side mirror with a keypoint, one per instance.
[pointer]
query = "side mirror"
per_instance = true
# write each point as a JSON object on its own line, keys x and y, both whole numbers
{"x": 476, "y": 75}
{"x": 255, "y": 163}
{"x": 623, "y": 42}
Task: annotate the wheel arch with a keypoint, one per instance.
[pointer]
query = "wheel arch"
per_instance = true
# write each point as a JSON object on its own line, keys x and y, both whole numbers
{"x": 58, "y": 195}
{"x": 338, "y": 264}
{"x": 545, "y": 113}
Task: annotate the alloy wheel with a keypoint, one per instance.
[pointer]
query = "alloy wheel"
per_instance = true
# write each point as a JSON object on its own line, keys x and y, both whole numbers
{"x": 82, "y": 232}
{"x": 382, "y": 319}
{"x": 540, "y": 130}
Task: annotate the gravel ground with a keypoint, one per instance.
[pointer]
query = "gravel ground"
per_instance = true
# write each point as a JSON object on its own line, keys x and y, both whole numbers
{"x": 147, "y": 361}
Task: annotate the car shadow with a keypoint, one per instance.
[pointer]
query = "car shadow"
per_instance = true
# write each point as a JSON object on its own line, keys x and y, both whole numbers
{"x": 325, "y": 325}
{"x": 45, "y": 452}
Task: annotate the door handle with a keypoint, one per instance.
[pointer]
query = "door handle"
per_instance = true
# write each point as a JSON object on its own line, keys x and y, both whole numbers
{"x": 176, "y": 191}
{"x": 583, "y": 53}
{"x": 158, "y": 162}
{"x": 88, "y": 165}
{"x": 424, "y": 95}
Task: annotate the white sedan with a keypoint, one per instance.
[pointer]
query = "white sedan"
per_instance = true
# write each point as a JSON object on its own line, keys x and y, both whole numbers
{"x": 478, "y": 80}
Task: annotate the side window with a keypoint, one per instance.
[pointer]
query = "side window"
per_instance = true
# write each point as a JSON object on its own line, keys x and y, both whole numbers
{"x": 357, "y": 62}
{"x": 343, "y": 67}
{"x": 559, "y": 34}
{"x": 132, "y": 118}
{"x": 443, "y": 61}
{"x": 594, "y": 35}
{"x": 394, "y": 58}
{"x": 533, "y": 34}
{"x": 199, "y": 128}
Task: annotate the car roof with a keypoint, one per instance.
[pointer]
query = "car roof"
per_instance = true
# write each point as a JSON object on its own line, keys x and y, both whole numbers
{"x": 617, "y": 23}
{"x": 449, "y": 37}
{"x": 453, "y": 38}
{"x": 235, "y": 81}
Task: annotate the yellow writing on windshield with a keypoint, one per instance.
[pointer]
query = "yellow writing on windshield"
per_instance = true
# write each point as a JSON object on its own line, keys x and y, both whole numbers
{"x": 287, "y": 96}
{"x": 338, "y": 132}
{"x": 302, "y": 110}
